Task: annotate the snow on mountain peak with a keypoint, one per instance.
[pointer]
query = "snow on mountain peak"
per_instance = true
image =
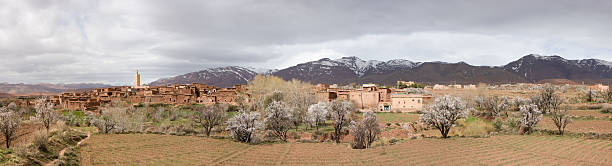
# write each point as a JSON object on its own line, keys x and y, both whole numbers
{"x": 360, "y": 67}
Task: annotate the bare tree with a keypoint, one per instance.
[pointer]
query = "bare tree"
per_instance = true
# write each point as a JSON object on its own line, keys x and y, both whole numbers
{"x": 558, "y": 115}
{"x": 491, "y": 107}
{"x": 278, "y": 119}
{"x": 590, "y": 95}
{"x": 607, "y": 95}
{"x": 340, "y": 112}
{"x": 545, "y": 99}
{"x": 365, "y": 131}
{"x": 243, "y": 125}
{"x": 110, "y": 119}
{"x": 317, "y": 113}
{"x": 210, "y": 116}
{"x": 10, "y": 119}
{"x": 299, "y": 98}
{"x": 531, "y": 115}
{"x": 443, "y": 114}
{"x": 45, "y": 113}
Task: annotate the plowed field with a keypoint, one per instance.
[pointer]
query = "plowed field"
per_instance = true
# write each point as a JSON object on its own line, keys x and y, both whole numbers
{"x": 135, "y": 149}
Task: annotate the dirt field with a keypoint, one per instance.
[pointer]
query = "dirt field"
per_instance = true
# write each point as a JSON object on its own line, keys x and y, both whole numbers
{"x": 579, "y": 126}
{"x": 133, "y": 149}
{"x": 590, "y": 113}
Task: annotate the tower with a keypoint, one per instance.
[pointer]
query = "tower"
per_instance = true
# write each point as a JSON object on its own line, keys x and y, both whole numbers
{"x": 136, "y": 80}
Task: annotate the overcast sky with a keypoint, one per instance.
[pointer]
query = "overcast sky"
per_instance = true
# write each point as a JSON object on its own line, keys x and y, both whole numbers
{"x": 105, "y": 41}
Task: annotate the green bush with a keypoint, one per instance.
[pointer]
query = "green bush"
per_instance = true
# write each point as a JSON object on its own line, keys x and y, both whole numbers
{"x": 472, "y": 126}
{"x": 498, "y": 124}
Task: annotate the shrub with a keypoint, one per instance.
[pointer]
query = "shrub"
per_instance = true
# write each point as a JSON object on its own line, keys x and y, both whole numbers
{"x": 606, "y": 109}
{"x": 594, "y": 106}
{"x": 319, "y": 135}
{"x": 498, "y": 124}
{"x": 491, "y": 107}
{"x": 256, "y": 139}
{"x": 40, "y": 140}
{"x": 392, "y": 141}
{"x": 477, "y": 128}
{"x": 295, "y": 135}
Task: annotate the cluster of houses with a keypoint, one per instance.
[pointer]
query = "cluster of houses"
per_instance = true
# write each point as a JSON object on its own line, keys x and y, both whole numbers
{"x": 366, "y": 97}
{"x": 371, "y": 97}
{"x": 171, "y": 94}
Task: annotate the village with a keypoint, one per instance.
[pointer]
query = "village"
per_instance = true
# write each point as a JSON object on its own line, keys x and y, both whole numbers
{"x": 367, "y": 97}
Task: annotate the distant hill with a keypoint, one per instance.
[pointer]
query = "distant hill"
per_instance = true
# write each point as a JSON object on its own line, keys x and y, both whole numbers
{"x": 528, "y": 69}
{"x": 534, "y": 68}
{"x": 5, "y": 95}
{"x": 45, "y": 88}
{"x": 220, "y": 77}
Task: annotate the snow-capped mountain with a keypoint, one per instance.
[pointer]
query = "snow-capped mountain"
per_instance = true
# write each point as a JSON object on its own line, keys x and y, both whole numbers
{"x": 536, "y": 67}
{"x": 530, "y": 68}
{"x": 219, "y": 76}
{"x": 347, "y": 68}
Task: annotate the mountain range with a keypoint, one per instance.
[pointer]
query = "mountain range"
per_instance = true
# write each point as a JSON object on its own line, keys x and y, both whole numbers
{"x": 7, "y": 89}
{"x": 528, "y": 69}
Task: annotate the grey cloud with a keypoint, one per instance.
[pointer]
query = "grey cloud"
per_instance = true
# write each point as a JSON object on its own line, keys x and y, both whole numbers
{"x": 105, "y": 41}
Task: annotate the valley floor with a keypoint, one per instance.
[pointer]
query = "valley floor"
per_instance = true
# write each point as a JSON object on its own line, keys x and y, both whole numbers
{"x": 150, "y": 149}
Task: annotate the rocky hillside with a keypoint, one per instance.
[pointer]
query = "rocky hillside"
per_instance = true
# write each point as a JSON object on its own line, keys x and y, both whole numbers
{"x": 354, "y": 70}
{"x": 530, "y": 68}
{"x": 25, "y": 89}
{"x": 535, "y": 68}
{"x": 220, "y": 77}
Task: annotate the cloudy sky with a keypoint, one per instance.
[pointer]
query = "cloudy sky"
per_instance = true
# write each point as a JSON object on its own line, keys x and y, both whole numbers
{"x": 105, "y": 41}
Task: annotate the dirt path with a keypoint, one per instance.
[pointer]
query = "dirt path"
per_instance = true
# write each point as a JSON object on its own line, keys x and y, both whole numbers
{"x": 61, "y": 153}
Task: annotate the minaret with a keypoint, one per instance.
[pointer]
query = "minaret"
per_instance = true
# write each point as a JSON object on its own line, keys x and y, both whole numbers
{"x": 136, "y": 80}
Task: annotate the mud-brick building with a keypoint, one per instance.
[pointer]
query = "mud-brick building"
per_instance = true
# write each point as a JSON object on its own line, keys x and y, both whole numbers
{"x": 404, "y": 102}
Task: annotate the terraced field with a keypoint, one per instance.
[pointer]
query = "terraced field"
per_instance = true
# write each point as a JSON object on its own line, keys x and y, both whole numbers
{"x": 579, "y": 126}
{"x": 136, "y": 149}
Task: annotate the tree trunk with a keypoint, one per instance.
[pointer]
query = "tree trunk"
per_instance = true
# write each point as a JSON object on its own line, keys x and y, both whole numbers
{"x": 8, "y": 141}
{"x": 207, "y": 131}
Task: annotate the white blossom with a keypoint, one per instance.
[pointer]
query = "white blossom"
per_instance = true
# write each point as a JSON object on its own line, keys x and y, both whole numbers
{"x": 443, "y": 113}
{"x": 9, "y": 122}
{"x": 243, "y": 125}
{"x": 340, "y": 112}
{"x": 278, "y": 119}
{"x": 45, "y": 113}
{"x": 365, "y": 131}
{"x": 531, "y": 115}
{"x": 317, "y": 113}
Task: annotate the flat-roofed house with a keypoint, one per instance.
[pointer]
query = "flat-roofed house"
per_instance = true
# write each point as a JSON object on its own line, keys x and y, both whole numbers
{"x": 403, "y": 102}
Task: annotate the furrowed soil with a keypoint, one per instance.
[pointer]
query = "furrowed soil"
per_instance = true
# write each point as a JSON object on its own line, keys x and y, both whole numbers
{"x": 579, "y": 126}
{"x": 147, "y": 149}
